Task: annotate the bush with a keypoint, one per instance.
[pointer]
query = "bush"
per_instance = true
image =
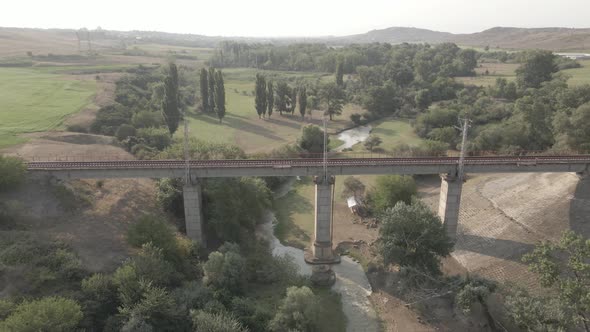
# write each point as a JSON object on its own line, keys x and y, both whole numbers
{"x": 12, "y": 172}
{"x": 46, "y": 314}
{"x": 356, "y": 119}
{"x": 389, "y": 190}
{"x": 77, "y": 128}
{"x": 149, "y": 229}
{"x": 158, "y": 138}
{"x": 312, "y": 139}
{"x": 124, "y": 131}
{"x": 210, "y": 322}
{"x": 224, "y": 272}
{"x": 297, "y": 312}
{"x": 109, "y": 118}
{"x": 147, "y": 119}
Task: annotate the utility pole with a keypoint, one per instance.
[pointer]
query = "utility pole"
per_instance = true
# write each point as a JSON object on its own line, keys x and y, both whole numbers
{"x": 325, "y": 151}
{"x": 464, "y": 127}
{"x": 187, "y": 170}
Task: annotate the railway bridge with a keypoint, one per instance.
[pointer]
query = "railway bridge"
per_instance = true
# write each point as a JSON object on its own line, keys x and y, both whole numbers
{"x": 323, "y": 171}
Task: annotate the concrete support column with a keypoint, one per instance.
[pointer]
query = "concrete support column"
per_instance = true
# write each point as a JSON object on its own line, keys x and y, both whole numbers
{"x": 450, "y": 200}
{"x": 193, "y": 213}
{"x": 321, "y": 251}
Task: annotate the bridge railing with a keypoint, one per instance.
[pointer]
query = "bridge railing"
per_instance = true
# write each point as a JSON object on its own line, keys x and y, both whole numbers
{"x": 303, "y": 155}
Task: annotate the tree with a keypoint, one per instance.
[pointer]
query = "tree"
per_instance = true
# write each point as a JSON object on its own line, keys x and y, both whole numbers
{"x": 537, "y": 67}
{"x": 282, "y": 97}
{"x": 298, "y": 311}
{"x": 219, "y": 95}
{"x": 261, "y": 100}
{"x": 312, "y": 139}
{"x": 224, "y": 271}
{"x": 411, "y": 235}
{"x": 204, "y": 90}
{"x": 302, "y": 101}
{"x": 45, "y": 314}
{"x": 422, "y": 99}
{"x": 293, "y": 100}
{"x": 271, "y": 98}
{"x": 170, "y": 105}
{"x": 352, "y": 187}
{"x": 211, "y": 93}
{"x": 536, "y": 313}
{"x": 389, "y": 190}
{"x": 215, "y": 322}
{"x": 578, "y": 133}
{"x": 372, "y": 141}
{"x": 12, "y": 172}
{"x": 340, "y": 74}
{"x": 333, "y": 98}
{"x": 565, "y": 266}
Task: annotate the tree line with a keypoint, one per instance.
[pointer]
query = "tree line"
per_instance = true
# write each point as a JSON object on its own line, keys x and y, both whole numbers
{"x": 212, "y": 92}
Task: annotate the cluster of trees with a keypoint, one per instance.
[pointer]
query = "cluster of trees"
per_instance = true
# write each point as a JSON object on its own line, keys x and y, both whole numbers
{"x": 537, "y": 112}
{"x": 212, "y": 90}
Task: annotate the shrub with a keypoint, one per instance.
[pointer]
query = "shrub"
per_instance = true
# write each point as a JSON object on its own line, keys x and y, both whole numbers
{"x": 224, "y": 272}
{"x": 46, "y": 314}
{"x": 211, "y": 322}
{"x": 147, "y": 119}
{"x": 12, "y": 172}
{"x": 109, "y": 118}
{"x": 312, "y": 139}
{"x": 356, "y": 119}
{"x": 297, "y": 312}
{"x": 150, "y": 229}
{"x": 124, "y": 131}
{"x": 390, "y": 189}
{"x": 158, "y": 138}
{"x": 77, "y": 128}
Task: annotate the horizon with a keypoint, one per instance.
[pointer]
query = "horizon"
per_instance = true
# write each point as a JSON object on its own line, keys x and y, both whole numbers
{"x": 309, "y": 19}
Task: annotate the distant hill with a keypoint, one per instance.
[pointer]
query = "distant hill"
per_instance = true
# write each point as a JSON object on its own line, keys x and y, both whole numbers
{"x": 556, "y": 39}
{"x": 19, "y": 41}
{"x": 397, "y": 35}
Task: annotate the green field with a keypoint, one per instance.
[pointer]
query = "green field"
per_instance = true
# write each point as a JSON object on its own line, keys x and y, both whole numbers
{"x": 241, "y": 125}
{"x": 581, "y": 75}
{"x": 34, "y": 101}
{"x": 494, "y": 71}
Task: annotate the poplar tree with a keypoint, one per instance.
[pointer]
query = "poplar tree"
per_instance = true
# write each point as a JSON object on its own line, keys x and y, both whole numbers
{"x": 282, "y": 97}
{"x": 302, "y": 101}
{"x": 219, "y": 95}
{"x": 204, "y": 90}
{"x": 340, "y": 74}
{"x": 211, "y": 81}
{"x": 293, "y": 100}
{"x": 261, "y": 100}
{"x": 271, "y": 98}
{"x": 170, "y": 109}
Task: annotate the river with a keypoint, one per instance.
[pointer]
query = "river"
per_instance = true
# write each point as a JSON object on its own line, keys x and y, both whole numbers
{"x": 352, "y": 136}
{"x": 351, "y": 281}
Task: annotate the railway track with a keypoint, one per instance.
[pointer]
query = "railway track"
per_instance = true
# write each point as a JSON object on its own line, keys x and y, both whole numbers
{"x": 301, "y": 162}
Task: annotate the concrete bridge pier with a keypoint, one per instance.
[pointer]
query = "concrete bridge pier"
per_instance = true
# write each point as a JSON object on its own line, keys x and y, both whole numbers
{"x": 450, "y": 200}
{"x": 193, "y": 212}
{"x": 321, "y": 251}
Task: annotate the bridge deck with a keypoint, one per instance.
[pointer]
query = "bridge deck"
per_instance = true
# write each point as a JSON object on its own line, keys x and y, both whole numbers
{"x": 307, "y": 167}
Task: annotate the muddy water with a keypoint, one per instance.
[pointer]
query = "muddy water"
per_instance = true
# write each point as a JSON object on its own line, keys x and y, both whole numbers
{"x": 351, "y": 282}
{"x": 353, "y": 136}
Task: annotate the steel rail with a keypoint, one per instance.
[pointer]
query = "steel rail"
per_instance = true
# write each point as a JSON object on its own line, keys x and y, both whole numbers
{"x": 300, "y": 162}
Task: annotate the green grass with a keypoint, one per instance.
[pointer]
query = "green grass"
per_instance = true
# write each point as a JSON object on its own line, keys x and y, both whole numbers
{"x": 392, "y": 132}
{"x": 34, "y": 101}
{"x": 295, "y": 214}
{"x": 241, "y": 125}
{"x": 495, "y": 70}
{"x": 579, "y": 75}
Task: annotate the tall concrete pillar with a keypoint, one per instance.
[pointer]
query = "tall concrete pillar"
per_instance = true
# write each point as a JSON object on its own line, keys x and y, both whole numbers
{"x": 450, "y": 200}
{"x": 193, "y": 213}
{"x": 321, "y": 251}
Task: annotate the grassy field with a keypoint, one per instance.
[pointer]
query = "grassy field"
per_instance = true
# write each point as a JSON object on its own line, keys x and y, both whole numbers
{"x": 392, "y": 132}
{"x": 579, "y": 75}
{"x": 32, "y": 101}
{"x": 495, "y": 70}
{"x": 241, "y": 124}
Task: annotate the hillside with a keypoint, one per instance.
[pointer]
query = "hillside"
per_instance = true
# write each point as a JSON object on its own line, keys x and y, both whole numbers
{"x": 17, "y": 41}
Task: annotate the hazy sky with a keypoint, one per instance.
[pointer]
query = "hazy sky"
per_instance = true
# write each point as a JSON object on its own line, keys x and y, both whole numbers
{"x": 293, "y": 18}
